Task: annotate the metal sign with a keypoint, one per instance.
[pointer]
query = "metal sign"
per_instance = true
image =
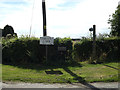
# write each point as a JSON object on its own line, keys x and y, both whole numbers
{"x": 61, "y": 48}
{"x": 46, "y": 40}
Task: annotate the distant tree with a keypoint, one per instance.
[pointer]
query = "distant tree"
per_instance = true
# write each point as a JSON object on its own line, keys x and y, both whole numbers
{"x": 115, "y": 22}
{"x": 8, "y": 30}
{"x": 102, "y": 36}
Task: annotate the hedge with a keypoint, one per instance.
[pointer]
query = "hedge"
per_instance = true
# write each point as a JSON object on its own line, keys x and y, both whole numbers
{"x": 25, "y": 50}
{"x": 106, "y": 50}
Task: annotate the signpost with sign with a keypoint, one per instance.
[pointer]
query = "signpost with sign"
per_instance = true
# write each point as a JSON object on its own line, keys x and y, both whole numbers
{"x": 46, "y": 40}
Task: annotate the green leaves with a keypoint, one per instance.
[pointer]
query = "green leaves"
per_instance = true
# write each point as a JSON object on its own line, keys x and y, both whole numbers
{"x": 28, "y": 50}
{"x": 115, "y": 23}
{"x": 106, "y": 50}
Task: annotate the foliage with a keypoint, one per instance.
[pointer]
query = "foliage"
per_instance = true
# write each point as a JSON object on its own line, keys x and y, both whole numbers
{"x": 8, "y": 30}
{"x": 115, "y": 22}
{"x": 28, "y": 50}
{"x": 82, "y": 50}
{"x": 25, "y": 50}
{"x": 60, "y": 56}
{"x": 102, "y": 36}
{"x": 106, "y": 50}
{"x": 21, "y": 50}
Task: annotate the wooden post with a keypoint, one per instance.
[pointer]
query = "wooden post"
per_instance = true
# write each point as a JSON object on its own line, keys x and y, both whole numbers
{"x": 94, "y": 41}
{"x": 44, "y": 23}
{"x": 44, "y": 18}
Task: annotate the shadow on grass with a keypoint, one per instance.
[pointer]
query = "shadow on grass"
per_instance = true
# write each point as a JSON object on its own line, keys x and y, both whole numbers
{"x": 111, "y": 67}
{"x": 52, "y": 67}
{"x": 80, "y": 79}
{"x": 45, "y": 66}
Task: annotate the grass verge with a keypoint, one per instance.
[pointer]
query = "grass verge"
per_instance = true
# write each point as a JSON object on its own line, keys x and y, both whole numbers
{"x": 106, "y": 72}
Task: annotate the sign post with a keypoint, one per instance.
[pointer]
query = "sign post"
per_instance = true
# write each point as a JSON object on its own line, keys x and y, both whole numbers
{"x": 46, "y": 40}
{"x": 94, "y": 41}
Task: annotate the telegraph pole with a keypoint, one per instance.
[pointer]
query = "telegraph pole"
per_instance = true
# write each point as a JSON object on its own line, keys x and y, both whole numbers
{"x": 44, "y": 23}
{"x": 44, "y": 18}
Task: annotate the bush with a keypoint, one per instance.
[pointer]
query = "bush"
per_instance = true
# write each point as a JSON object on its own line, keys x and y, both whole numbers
{"x": 21, "y": 50}
{"x": 57, "y": 56}
{"x": 106, "y": 50}
{"x": 25, "y": 50}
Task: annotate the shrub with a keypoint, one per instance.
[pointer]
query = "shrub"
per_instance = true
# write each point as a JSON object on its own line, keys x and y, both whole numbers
{"x": 25, "y": 50}
{"x": 106, "y": 50}
{"x": 82, "y": 50}
{"x": 60, "y": 56}
{"x": 21, "y": 50}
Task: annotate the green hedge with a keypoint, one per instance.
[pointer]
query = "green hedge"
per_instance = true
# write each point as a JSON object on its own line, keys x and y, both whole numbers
{"x": 28, "y": 50}
{"x": 25, "y": 50}
{"x": 106, "y": 50}
{"x": 82, "y": 50}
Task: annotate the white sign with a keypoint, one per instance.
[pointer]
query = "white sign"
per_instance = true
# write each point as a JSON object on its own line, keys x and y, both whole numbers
{"x": 46, "y": 40}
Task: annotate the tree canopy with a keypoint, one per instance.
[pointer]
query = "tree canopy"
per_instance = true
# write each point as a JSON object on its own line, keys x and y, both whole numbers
{"x": 8, "y": 30}
{"x": 115, "y": 22}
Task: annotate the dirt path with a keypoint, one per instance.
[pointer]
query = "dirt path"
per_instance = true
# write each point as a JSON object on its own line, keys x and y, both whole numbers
{"x": 63, "y": 85}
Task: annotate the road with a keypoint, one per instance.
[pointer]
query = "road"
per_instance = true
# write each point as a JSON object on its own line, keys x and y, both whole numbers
{"x": 63, "y": 85}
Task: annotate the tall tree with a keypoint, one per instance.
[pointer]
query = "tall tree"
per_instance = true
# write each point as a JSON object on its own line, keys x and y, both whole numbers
{"x": 115, "y": 22}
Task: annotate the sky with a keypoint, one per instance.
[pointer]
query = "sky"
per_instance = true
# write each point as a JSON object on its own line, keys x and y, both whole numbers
{"x": 65, "y": 18}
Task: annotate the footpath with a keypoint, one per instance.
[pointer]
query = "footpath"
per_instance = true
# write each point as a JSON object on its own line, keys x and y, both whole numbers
{"x": 97, "y": 85}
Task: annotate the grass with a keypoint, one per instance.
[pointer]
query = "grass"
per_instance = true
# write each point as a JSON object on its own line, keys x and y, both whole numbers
{"x": 106, "y": 72}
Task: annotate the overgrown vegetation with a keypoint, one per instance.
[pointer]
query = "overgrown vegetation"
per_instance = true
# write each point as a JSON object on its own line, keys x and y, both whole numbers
{"x": 107, "y": 50}
{"x": 25, "y": 50}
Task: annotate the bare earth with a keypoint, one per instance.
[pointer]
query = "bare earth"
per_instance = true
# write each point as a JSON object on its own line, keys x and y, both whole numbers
{"x": 63, "y": 85}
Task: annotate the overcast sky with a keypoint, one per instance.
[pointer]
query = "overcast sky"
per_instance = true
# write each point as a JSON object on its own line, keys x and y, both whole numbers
{"x": 65, "y": 18}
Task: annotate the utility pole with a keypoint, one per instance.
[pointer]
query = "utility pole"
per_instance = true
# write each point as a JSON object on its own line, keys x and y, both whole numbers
{"x": 44, "y": 18}
{"x": 44, "y": 24}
